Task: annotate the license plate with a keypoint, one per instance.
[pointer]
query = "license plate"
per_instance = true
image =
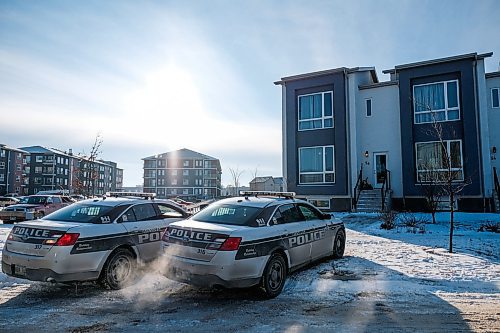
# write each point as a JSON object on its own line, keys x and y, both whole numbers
{"x": 19, "y": 270}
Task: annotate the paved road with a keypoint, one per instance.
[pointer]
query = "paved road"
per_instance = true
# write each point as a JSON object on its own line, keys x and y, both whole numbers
{"x": 353, "y": 294}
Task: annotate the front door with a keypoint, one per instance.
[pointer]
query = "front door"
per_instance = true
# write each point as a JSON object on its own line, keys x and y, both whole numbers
{"x": 380, "y": 168}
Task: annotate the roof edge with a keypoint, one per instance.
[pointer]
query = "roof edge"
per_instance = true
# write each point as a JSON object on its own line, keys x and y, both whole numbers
{"x": 437, "y": 61}
{"x": 492, "y": 74}
{"x": 378, "y": 85}
{"x": 310, "y": 74}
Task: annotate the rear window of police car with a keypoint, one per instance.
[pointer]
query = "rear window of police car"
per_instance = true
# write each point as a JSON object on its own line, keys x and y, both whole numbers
{"x": 228, "y": 214}
{"x": 86, "y": 213}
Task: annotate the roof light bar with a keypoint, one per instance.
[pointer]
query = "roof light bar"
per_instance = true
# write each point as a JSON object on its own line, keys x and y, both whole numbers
{"x": 267, "y": 194}
{"x": 131, "y": 194}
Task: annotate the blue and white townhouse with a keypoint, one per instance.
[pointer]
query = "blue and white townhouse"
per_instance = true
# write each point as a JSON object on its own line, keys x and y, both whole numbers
{"x": 345, "y": 132}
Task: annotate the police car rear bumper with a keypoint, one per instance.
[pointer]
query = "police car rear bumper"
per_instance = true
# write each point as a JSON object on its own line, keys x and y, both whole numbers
{"x": 208, "y": 280}
{"x": 45, "y": 275}
{"x": 43, "y": 269}
{"x": 217, "y": 272}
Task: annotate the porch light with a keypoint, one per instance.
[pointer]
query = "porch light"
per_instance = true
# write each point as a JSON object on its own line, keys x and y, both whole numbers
{"x": 366, "y": 153}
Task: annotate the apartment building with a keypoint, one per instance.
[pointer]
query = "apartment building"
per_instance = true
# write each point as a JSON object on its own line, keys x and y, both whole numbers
{"x": 11, "y": 170}
{"x": 183, "y": 173}
{"x": 343, "y": 126}
{"x": 51, "y": 169}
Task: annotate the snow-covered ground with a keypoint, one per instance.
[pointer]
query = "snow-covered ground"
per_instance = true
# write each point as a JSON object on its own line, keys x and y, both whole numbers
{"x": 389, "y": 280}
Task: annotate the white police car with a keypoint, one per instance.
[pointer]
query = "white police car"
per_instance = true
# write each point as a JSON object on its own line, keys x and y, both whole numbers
{"x": 97, "y": 239}
{"x": 255, "y": 239}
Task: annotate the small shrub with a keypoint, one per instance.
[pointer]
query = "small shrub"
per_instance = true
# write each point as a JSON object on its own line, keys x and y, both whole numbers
{"x": 490, "y": 226}
{"x": 411, "y": 220}
{"x": 388, "y": 219}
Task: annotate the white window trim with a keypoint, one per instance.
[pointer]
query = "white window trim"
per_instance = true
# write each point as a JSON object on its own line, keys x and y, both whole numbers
{"x": 324, "y": 167}
{"x": 445, "y": 170}
{"x": 491, "y": 96}
{"x": 445, "y": 110}
{"x": 366, "y": 107}
{"x": 322, "y": 118}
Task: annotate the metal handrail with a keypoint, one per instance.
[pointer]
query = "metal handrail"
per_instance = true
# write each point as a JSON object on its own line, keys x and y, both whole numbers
{"x": 357, "y": 190}
{"x": 386, "y": 186}
{"x": 497, "y": 184}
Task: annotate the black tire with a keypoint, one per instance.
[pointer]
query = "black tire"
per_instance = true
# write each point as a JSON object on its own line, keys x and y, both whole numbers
{"x": 339, "y": 244}
{"x": 119, "y": 270}
{"x": 274, "y": 277}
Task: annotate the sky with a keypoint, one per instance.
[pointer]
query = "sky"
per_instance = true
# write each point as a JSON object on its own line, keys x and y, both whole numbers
{"x": 156, "y": 76}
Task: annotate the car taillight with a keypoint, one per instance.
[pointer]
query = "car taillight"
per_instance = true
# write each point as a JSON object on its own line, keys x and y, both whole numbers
{"x": 67, "y": 239}
{"x": 231, "y": 244}
{"x": 11, "y": 236}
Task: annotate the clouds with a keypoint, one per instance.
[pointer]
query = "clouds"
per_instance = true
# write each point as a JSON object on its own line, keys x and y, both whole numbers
{"x": 158, "y": 76}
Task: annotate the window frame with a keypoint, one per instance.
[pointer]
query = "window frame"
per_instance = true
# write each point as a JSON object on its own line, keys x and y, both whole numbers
{"x": 322, "y": 118}
{"x": 324, "y": 167}
{"x": 366, "y": 107}
{"x": 446, "y": 109}
{"x": 448, "y": 142}
{"x": 498, "y": 97}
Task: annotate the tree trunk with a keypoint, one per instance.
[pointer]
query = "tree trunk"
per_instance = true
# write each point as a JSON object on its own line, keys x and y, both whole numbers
{"x": 452, "y": 210}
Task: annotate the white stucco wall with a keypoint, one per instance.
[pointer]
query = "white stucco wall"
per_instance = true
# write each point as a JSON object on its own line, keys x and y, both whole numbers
{"x": 380, "y": 133}
{"x": 493, "y": 122}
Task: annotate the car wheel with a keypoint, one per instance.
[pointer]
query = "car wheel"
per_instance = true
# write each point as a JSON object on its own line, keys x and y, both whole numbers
{"x": 119, "y": 270}
{"x": 274, "y": 277}
{"x": 339, "y": 244}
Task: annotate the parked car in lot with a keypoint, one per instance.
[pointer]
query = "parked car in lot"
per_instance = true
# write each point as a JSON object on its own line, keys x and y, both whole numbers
{"x": 35, "y": 206}
{"x": 92, "y": 240}
{"x": 253, "y": 240}
{"x": 7, "y": 201}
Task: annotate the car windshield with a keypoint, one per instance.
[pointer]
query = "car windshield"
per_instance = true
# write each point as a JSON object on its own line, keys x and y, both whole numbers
{"x": 36, "y": 200}
{"x": 227, "y": 214}
{"x": 83, "y": 213}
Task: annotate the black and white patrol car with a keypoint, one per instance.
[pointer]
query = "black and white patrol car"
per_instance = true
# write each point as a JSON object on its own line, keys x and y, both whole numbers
{"x": 255, "y": 239}
{"x": 97, "y": 239}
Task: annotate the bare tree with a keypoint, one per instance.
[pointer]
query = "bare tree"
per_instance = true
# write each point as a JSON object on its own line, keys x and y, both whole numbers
{"x": 448, "y": 172}
{"x": 235, "y": 177}
{"x": 431, "y": 187}
{"x": 88, "y": 169}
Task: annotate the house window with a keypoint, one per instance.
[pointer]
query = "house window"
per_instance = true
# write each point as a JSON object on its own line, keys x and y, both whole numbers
{"x": 316, "y": 111}
{"x": 185, "y": 181}
{"x": 316, "y": 165}
{"x": 185, "y": 191}
{"x": 2, "y": 165}
{"x": 436, "y": 102}
{"x": 174, "y": 181}
{"x": 18, "y": 178}
{"x": 174, "y": 172}
{"x": 185, "y": 172}
{"x": 432, "y": 163}
{"x": 320, "y": 203}
{"x": 368, "y": 103}
{"x": 495, "y": 97}
{"x": 39, "y": 159}
{"x": 186, "y": 163}
{"x": 2, "y": 153}
{"x": 1, "y": 177}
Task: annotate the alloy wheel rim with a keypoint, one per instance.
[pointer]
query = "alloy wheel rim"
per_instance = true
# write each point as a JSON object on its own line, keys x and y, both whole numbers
{"x": 275, "y": 276}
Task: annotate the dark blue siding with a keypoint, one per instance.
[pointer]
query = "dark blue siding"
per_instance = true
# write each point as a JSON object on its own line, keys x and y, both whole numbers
{"x": 322, "y": 137}
{"x": 465, "y": 129}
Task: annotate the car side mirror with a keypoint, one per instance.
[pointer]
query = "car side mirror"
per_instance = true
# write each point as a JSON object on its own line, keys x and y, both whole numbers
{"x": 327, "y": 216}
